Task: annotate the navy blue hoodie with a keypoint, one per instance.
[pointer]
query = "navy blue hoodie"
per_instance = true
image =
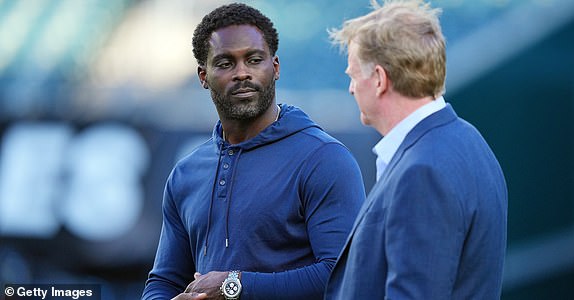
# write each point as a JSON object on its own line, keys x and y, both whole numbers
{"x": 277, "y": 207}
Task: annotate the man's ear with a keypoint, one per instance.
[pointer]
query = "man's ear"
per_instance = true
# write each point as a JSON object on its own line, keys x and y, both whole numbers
{"x": 382, "y": 80}
{"x": 202, "y": 74}
{"x": 276, "y": 66}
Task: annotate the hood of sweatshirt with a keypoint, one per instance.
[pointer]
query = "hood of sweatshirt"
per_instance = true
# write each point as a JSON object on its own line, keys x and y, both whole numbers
{"x": 290, "y": 121}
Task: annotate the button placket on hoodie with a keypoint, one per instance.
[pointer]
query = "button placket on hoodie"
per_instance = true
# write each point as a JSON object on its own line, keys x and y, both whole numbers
{"x": 225, "y": 170}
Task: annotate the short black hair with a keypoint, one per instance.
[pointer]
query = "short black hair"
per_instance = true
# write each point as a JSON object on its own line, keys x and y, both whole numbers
{"x": 227, "y": 15}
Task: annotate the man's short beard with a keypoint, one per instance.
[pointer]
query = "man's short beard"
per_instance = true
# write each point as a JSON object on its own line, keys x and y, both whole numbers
{"x": 248, "y": 111}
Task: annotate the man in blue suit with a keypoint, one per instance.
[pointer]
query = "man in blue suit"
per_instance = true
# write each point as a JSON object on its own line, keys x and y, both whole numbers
{"x": 434, "y": 224}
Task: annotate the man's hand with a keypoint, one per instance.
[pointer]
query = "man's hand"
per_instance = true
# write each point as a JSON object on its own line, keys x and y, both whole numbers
{"x": 204, "y": 287}
{"x": 190, "y": 296}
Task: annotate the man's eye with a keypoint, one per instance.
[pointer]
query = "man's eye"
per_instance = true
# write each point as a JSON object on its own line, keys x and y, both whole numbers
{"x": 223, "y": 65}
{"x": 255, "y": 60}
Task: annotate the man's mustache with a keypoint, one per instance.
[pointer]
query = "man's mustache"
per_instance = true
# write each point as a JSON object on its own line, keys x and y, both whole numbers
{"x": 244, "y": 85}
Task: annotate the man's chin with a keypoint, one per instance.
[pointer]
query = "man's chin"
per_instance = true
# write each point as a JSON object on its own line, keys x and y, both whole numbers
{"x": 246, "y": 112}
{"x": 365, "y": 120}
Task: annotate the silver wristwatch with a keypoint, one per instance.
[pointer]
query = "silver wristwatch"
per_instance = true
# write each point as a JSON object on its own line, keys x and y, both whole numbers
{"x": 231, "y": 287}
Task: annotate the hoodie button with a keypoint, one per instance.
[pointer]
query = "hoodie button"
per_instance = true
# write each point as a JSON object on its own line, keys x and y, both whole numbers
{"x": 230, "y": 152}
{"x": 226, "y": 166}
{"x": 222, "y": 182}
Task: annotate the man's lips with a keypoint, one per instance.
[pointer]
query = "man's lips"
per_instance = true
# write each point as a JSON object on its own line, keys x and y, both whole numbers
{"x": 243, "y": 91}
{"x": 246, "y": 93}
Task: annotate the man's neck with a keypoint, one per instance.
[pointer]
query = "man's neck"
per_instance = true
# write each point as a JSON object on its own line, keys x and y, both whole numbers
{"x": 400, "y": 107}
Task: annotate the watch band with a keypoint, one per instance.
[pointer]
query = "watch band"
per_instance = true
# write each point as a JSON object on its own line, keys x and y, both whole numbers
{"x": 233, "y": 274}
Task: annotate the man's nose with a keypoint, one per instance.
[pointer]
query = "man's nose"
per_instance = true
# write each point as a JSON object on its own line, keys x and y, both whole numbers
{"x": 242, "y": 72}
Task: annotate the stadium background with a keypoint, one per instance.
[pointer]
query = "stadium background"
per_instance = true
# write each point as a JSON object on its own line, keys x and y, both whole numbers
{"x": 98, "y": 99}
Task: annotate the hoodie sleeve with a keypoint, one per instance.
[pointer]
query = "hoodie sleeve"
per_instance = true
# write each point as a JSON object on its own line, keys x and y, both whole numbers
{"x": 332, "y": 194}
{"x": 173, "y": 266}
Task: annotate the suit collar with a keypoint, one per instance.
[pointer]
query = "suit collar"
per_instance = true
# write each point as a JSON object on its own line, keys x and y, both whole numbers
{"x": 437, "y": 119}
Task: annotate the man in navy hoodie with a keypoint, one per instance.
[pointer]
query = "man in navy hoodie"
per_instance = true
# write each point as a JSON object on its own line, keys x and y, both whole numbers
{"x": 261, "y": 209}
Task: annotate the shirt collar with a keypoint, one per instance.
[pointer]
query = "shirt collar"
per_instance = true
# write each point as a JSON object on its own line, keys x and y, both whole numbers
{"x": 385, "y": 149}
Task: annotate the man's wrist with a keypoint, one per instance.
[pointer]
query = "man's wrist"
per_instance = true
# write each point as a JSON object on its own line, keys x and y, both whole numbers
{"x": 231, "y": 286}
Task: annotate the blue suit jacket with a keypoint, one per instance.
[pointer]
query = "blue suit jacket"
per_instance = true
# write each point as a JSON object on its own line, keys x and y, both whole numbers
{"x": 434, "y": 225}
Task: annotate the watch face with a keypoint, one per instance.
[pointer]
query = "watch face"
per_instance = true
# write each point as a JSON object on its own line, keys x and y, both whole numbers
{"x": 231, "y": 288}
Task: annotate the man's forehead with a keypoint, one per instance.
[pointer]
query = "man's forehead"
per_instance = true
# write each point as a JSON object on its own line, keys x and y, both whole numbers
{"x": 352, "y": 50}
{"x": 352, "y": 47}
{"x": 237, "y": 36}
